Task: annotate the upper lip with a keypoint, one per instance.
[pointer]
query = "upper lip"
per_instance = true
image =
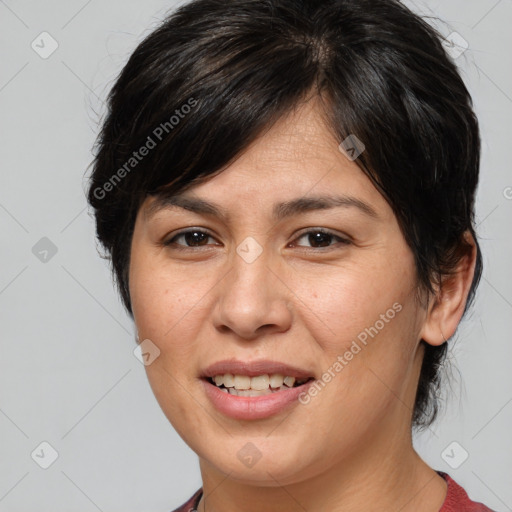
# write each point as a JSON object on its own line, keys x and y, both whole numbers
{"x": 254, "y": 368}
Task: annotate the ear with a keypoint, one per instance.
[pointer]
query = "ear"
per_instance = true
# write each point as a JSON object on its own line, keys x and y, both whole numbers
{"x": 446, "y": 310}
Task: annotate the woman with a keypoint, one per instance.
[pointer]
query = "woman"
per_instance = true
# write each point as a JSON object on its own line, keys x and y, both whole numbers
{"x": 286, "y": 191}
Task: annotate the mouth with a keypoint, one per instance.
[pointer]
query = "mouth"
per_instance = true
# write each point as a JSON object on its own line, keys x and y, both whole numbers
{"x": 254, "y": 390}
{"x": 259, "y": 385}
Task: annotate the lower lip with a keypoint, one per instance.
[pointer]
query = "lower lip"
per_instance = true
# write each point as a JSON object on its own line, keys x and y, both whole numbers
{"x": 253, "y": 407}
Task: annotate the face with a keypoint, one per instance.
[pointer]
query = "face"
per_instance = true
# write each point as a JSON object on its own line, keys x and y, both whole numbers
{"x": 257, "y": 294}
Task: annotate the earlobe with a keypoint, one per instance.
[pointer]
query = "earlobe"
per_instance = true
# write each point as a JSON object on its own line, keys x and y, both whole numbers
{"x": 446, "y": 310}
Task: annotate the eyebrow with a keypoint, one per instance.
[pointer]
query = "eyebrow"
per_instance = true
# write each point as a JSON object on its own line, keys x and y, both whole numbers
{"x": 280, "y": 210}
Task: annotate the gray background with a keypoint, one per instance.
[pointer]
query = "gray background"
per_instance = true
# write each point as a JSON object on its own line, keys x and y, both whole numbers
{"x": 68, "y": 375}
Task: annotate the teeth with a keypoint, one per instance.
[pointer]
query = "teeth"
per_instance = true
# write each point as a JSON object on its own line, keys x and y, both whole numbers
{"x": 229, "y": 380}
{"x": 289, "y": 381}
{"x": 260, "y": 382}
{"x": 248, "y": 392}
{"x": 276, "y": 380}
{"x": 243, "y": 385}
{"x": 242, "y": 382}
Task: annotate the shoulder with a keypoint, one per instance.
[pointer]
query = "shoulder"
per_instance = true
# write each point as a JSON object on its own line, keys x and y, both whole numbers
{"x": 191, "y": 504}
{"x": 457, "y": 499}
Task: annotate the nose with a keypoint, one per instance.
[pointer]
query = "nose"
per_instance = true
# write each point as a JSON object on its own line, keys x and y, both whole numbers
{"x": 253, "y": 300}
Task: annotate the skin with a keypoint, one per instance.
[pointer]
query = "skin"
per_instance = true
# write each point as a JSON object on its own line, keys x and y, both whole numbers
{"x": 301, "y": 303}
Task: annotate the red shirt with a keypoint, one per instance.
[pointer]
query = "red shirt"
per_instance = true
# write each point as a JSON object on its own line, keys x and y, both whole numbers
{"x": 456, "y": 500}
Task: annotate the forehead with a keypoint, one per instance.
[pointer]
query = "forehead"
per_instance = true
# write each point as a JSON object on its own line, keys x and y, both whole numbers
{"x": 293, "y": 167}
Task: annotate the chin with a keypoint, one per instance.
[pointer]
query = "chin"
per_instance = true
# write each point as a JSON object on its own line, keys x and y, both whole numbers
{"x": 256, "y": 461}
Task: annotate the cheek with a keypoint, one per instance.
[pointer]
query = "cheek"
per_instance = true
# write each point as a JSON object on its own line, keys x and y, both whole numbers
{"x": 171, "y": 306}
{"x": 161, "y": 298}
{"x": 372, "y": 363}
{"x": 163, "y": 307}
{"x": 342, "y": 304}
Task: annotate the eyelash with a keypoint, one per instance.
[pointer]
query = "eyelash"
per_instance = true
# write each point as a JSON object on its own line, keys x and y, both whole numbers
{"x": 174, "y": 246}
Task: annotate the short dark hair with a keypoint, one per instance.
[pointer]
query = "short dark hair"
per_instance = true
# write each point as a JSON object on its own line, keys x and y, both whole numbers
{"x": 216, "y": 74}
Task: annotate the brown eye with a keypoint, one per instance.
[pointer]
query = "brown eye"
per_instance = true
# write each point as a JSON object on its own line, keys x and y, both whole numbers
{"x": 192, "y": 238}
{"x": 319, "y": 238}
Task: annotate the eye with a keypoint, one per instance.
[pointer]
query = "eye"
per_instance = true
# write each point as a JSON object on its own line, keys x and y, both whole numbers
{"x": 192, "y": 237}
{"x": 319, "y": 238}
